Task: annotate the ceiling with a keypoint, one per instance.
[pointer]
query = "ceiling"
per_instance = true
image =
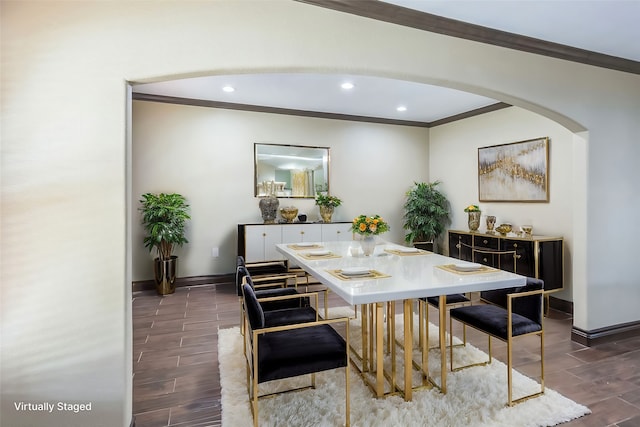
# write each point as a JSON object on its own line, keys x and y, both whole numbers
{"x": 604, "y": 26}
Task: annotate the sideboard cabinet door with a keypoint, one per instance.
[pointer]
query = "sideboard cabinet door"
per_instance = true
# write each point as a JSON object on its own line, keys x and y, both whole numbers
{"x": 336, "y": 231}
{"x": 460, "y": 245}
{"x": 550, "y": 264}
{"x": 261, "y": 241}
{"x": 524, "y": 257}
{"x": 298, "y": 233}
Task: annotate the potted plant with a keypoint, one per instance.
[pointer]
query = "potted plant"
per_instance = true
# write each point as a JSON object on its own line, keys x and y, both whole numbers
{"x": 327, "y": 204}
{"x": 164, "y": 217}
{"x": 426, "y": 214}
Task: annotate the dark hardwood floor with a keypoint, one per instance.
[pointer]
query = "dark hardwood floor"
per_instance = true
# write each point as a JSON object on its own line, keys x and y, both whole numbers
{"x": 176, "y": 380}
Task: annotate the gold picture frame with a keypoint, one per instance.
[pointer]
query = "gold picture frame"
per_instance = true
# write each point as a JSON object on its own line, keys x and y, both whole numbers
{"x": 514, "y": 172}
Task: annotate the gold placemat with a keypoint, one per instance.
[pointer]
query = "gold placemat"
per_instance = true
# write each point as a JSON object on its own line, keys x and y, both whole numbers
{"x": 373, "y": 274}
{"x": 303, "y": 247}
{"x": 451, "y": 268}
{"x": 402, "y": 253}
{"x": 328, "y": 256}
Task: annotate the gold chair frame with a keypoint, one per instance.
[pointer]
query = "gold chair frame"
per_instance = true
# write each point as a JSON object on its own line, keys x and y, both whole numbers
{"x": 509, "y": 342}
{"x": 251, "y": 357}
{"x": 265, "y": 281}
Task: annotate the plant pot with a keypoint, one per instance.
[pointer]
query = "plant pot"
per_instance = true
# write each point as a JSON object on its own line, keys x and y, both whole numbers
{"x": 326, "y": 212}
{"x": 165, "y": 275}
{"x": 426, "y": 246}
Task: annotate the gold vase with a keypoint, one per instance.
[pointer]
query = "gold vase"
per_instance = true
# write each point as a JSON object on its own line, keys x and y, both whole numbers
{"x": 326, "y": 212}
{"x": 474, "y": 220}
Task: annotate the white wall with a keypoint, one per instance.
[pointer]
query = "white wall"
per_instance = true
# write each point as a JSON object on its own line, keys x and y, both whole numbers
{"x": 65, "y": 297}
{"x": 454, "y": 160}
{"x": 206, "y": 154}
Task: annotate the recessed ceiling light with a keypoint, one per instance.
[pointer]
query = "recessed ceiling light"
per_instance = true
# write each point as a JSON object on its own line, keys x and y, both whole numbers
{"x": 228, "y": 89}
{"x": 401, "y": 108}
{"x": 347, "y": 85}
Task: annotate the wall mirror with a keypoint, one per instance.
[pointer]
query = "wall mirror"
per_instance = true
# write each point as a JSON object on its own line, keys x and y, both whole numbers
{"x": 291, "y": 170}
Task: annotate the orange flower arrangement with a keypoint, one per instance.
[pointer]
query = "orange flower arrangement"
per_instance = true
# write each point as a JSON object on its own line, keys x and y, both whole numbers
{"x": 369, "y": 225}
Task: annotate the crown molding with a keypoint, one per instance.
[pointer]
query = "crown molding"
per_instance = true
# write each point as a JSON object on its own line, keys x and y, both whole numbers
{"x": 399, "y": 15}
{"x": 315, "y": 114}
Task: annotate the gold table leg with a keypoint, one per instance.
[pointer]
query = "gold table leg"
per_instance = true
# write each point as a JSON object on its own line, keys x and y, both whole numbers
{"x": 443, "y": 345}
{"x": 379, "y": 349}
{"x": 408, "y": 348}
{"x": 365, "y": 337}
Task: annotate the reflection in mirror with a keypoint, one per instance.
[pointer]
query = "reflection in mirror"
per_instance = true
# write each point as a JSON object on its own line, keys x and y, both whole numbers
{"x": 291, "y": 170}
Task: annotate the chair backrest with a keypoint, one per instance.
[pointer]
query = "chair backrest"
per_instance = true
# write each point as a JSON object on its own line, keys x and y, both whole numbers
{"x": 242, "y": 275}
{"x": 253, "y": 308}
{"x": 529, "y": 306}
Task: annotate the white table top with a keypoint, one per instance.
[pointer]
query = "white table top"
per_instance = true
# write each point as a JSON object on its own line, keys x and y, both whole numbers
{"x": 411, "y": 276}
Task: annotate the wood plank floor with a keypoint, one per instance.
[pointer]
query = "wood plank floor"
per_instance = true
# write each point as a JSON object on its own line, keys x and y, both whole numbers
{"x": 176, "y": 378}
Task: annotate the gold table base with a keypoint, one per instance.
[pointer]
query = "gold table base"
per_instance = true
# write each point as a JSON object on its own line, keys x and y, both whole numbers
{"x": 370, "y": 363}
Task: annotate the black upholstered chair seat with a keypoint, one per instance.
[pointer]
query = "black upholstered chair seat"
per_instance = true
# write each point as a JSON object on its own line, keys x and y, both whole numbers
{"x": 289, "y": 316}
{"x": 493, "y": 320}
{"x": 296, "y": 352}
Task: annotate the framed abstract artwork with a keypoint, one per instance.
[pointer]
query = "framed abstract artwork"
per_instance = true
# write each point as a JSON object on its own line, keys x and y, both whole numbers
{"x": 514, "y": 172}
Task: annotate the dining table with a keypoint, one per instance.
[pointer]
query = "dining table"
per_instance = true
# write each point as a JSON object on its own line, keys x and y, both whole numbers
{"x": 393, "y": 273}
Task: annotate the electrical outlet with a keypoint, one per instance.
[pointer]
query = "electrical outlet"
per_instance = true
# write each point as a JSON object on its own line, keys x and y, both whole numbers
{"x": 215, "y": 252}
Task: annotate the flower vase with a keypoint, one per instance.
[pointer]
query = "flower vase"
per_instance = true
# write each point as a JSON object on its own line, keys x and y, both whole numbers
{"x": 368, "y": 244}
{"x": 474, "y": 220}
{"x": 326, "y": 212}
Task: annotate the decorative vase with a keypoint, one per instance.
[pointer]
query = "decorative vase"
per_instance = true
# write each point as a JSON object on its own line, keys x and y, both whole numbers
{"x": 491, "y": 222}
{"x": 368, "y": 244}
{"x": 289, "y": 213}
{"x": 326, "y": 212}
{"x": 474, "y": 220}
{"x": 269, "y": 208}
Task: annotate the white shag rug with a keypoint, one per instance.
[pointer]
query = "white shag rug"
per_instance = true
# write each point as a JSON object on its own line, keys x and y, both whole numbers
{"x": 476, "y": 396}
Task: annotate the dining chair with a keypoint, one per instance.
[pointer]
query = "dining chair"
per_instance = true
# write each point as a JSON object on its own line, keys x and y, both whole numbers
{"x": 522, "y": 317}
{"x": 268, "y": 287}
{"x": 290, "y": 350}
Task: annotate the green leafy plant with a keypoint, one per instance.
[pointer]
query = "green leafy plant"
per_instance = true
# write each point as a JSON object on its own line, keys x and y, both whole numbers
{"x": 426, "y": 212}
{"x": 164, "y": 217}
{"x": 327, "y": 200}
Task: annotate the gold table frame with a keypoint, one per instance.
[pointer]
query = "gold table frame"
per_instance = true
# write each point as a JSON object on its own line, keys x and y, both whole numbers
{"x": 406, "y": 289}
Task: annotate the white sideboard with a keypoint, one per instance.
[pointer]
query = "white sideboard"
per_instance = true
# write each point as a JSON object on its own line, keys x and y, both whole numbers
{"x": 257, "y": 242}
